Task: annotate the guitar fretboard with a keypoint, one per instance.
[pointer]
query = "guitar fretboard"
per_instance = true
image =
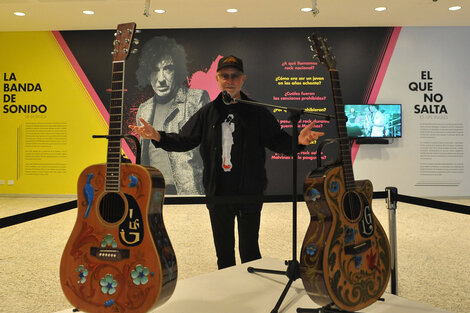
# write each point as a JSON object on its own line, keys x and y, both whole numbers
{"x": 113, "y": 162}
{"x": 345, "y": 151}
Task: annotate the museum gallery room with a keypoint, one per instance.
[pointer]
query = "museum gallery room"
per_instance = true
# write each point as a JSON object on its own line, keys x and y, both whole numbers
{"x": 248, "y": 156}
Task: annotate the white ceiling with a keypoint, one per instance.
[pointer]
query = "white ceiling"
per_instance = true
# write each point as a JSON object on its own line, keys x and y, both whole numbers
{"x": 67, "y": 14}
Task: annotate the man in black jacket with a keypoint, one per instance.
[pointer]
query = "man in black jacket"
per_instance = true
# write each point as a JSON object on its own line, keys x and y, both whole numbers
{"x": 232, "y": 139}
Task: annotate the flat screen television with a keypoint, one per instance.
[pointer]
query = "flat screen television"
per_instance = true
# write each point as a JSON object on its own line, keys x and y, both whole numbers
{"x": 373, "y": 120}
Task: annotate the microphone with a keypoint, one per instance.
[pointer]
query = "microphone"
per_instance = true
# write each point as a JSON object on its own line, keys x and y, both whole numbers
{"x": 227, "y": 98}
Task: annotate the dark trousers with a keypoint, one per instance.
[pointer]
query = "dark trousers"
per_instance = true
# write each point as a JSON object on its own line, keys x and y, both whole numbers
{"x": 223, "y": 225}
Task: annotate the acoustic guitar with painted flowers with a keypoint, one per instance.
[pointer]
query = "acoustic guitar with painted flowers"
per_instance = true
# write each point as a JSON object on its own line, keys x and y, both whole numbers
{"x": 119, "y": 257}
{"x": 345, "y": 256}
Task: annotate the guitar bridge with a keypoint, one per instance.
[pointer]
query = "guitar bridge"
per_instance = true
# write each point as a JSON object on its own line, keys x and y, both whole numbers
{"x": 357, "y": 248}
{"x": 109, "y": 254}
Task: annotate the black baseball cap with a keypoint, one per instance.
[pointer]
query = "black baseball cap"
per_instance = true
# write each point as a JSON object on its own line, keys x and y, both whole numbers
{"x": 230, "y": 61}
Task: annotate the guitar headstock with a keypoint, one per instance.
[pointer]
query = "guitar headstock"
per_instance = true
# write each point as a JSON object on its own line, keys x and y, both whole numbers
{"x": 124, "y": 39}
{"x": 322, "y": 51}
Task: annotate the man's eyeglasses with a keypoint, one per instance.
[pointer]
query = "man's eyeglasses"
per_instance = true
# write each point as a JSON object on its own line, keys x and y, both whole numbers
{"x": 233, "y": 76}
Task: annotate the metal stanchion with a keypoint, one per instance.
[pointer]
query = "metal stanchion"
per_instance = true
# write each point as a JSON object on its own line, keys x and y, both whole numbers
{"x": 391, "y": 201}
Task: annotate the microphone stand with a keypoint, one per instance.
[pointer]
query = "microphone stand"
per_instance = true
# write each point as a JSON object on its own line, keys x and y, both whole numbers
{"x": 293, "y": 265}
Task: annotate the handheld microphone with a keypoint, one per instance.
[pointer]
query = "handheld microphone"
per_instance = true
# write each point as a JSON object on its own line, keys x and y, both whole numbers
{"x": 226, "y": 98}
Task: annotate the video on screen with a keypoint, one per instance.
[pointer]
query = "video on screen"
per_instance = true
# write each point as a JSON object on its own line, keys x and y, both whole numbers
{"x": 374, "y": 120}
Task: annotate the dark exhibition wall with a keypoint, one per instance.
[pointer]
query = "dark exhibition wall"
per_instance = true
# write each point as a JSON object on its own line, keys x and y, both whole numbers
{"x": 270, "y": 57}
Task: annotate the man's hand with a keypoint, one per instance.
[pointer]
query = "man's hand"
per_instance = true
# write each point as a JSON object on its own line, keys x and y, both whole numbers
{"x": 146, "y": 131}
{"x": 306, "y": 136}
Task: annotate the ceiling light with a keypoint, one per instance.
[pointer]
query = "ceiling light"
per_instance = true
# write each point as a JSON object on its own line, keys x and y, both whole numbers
{"x": 380, "y": 9}
{"x": 232, "y": 10}
{"x": 87, "y": 12}
{"x": 306, "y": 9}
{"x": 19, "y": 13}
{"x": 455, "y": 8}
{"x": 159, "y": 11}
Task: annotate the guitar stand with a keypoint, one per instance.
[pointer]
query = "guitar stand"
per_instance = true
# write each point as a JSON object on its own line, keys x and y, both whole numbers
{"x": 327, "y": 309}
{"x": 292, "y": 272}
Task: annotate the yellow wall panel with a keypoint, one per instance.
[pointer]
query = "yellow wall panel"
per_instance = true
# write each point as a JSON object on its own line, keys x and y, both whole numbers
{"x": 47, "y": 117}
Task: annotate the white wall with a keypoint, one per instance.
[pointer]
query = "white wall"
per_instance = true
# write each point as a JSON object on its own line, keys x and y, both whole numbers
{"x": 432, "y": 143}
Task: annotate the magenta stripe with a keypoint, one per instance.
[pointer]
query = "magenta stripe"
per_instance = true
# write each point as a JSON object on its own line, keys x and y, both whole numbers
{"x": 354, "y": 151}
{"x": 374, "y": 72}
{"x": 383, "y": 67}
{"x": 81, "y": 75}
{"x": 89, "y": 88}
{"x": 379, "y": 80}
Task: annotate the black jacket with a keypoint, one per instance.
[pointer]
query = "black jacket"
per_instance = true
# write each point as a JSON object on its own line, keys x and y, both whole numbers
{"x": 261, "y": 129}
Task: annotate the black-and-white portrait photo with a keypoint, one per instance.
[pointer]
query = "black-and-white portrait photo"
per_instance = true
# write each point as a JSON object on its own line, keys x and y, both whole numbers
{"x": 162, "y": 65}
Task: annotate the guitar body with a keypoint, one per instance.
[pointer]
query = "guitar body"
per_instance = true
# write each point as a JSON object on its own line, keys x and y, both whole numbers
{"x": 119, "y": 257}
{"x": 345, "y": 256}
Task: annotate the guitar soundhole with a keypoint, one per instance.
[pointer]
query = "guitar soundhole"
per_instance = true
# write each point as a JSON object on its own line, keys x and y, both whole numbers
{"x": 112, "y": 207}
{"x": 352, "y": 206}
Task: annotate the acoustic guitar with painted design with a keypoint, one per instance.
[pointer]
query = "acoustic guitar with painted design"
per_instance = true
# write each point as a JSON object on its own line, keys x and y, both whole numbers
{"x": 119, "y": 257}
{"x": 345, "y": 256}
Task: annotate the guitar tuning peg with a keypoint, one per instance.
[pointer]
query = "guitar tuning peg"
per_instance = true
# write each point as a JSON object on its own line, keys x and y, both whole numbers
{"x": 138, "y": 31}
{"x": 136, "y": 41}
{"x": 118, "y": 32}
{"x": 134, "y": 51}
{"x": 315, "y": 56}
{"x": 114, "y": 52}
{"x": 312, "y": 48}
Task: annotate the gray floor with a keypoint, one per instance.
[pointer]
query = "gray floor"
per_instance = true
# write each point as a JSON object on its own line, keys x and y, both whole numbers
{"x": 433, "y": 250}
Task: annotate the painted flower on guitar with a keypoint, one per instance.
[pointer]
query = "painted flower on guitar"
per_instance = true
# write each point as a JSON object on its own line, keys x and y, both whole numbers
{"x": 108, "y": 284}
{"x": 107, "y": 241}
{"x": 334, "y": 187}
{"x": 139, "y": 275}
{"x": 311, "y": 249}
{"x": 314, "y": 194}
{"x": 372, "y": 261}
{"x": 82, "y": 274}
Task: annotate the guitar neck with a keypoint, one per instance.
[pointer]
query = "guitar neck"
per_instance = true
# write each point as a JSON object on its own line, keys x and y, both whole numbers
{"x": 344, "y": 149}
{"x": 113, "y": 162}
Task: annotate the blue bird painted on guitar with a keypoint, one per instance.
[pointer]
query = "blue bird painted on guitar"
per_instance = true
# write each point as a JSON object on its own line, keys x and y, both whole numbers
{"x": 89, "y": 193}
